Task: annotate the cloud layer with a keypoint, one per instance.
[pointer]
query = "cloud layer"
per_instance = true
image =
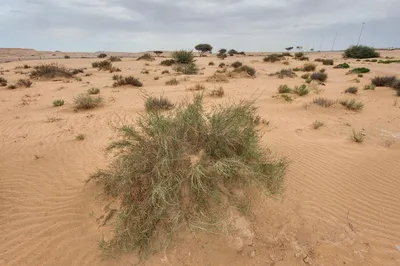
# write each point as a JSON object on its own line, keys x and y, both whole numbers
{"x": 250, "y": 25}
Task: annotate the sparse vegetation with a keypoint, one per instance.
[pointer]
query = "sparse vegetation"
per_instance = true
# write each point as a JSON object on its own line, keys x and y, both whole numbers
{"x": 102, "y": 55}
{"x": 360, "y": 52}
{"x": 24, "y": 83}
{"x": 187, "y": 69}
{"x": 114, "y": 59}
{"x": 102, "y": 65}
{"x": 360, "y": 70}
{"x": 197, "y": 87}
{"x": 236, "y": 64}
{"x": 283, "y": 73}
{"x": 322, "y": 70}
{"x": 370, "y": 87}
{"x": 146, "y": 57}
{"x": 57, "y": 103}
{"x": 86, "y": 101}
{"x": 173, "y": 168}
{"x": 221, "y": 65}
{"x": 324, "y": 102}
{"x": 284, "y": 89}
{"x": 383, "y": 81}
{"x": 165, "y": 72}
{"x": 357, "y": 136}
{"x": 3, "y": 82}
{"x": 183, "y": 57}
{"x": 211, "y": 63}
{"x": 67, "y": 57}
{"x": 130, "y": 80}
{"x": 168, "y": 62}
{"x": 317, "y": 124}
{"x": 352, "y": 90}
{"x": 319, "y": 76}
{"x": 343, "y": 65}
{"x": 272, "y": 58}
{"x": 49, "y": 71}
{"x": 172, "y": 81}
{"x": 12, "y": 87}
{"x": 301, "y": 90}
{"x": 247, "y": 69}
{"x": 327, "y": 62}
{"x": 93, "y": 91}
{"x": 219, "y": 92}
{"x": 352, "y": 104}
{"x": 309, "y": 67}
{"x": 232, "y": 52}
{"x": 153, "y": 104}
{"x": 305, "y": 76}
{"x": 298, "y": 55}
{"x": 80, "y": 137}
{"x": 117, "y": 77}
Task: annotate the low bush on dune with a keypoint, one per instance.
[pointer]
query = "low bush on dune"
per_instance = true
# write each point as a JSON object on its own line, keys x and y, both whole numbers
{"x": 187, "y": 69}
{"x": 360, "y": 52}
{"x": 324, "y": 102}
{"x": 12, "y": 87}
{"x": 130, "y": 80}
{"x": 283, "y": 73}
{"x": 301, "y": 90}
{"x": 146, "y": 57}
{"x": 197, "y": 87}
{"x": 352, "y": 104}
{"x": 93, "y": 91}
{"x": 383, "y": 81}
{"x": 165, "y": 72}
{"x": 168, "y": 62}
{"x": 218, "y": 92}
{"x": 181, "y": 168}
{"x": 357, "y": 137}
{"x": 172, "y": 81}
{"x": 272, "y": 58}
{"x": 102, "y": 65}
{"x": 309, "y": 67}
{"x": 114, "y": 59}
{"x": 343, "y": 65}
{"x": 298, "y": 55}
{"x": 327, "y": 62}
{"x": 236, "y": 64}
{"x": 305, "y": 76}
{"x": 85, "y": 101}
{"x": 287, "y": 54}
{"x": 352, "y": 90}
{"x": 360, "y": 70}
{"x": 153, "y": 104}
{"x": 246, "y": 69}
{"x": 77, "y": 71}
{"x": 117, "y": 77}
{"x": 24, "y": 83}
{"x": 370, "y": 87}
{"x": 3, "y": 82}
{"x": 317, "y": 124}
{"x": 211, "y": 63}
{"x": 49, "y": 71}
{"x": 320, "y": 76}
{"x": 57, "y": 103}
{"x": 284, "y": 89}
{"x": 183, "y": 57}
{"x": 319, "y": 60}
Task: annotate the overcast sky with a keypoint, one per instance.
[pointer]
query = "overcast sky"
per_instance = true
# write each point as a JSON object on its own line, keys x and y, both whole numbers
{"x": 249, "y": 25}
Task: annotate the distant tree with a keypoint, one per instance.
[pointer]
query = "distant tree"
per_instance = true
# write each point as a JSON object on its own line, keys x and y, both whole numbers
{"x": 67, "y": 57}
{"x": 203, "y": 48}
{"x": 222, "y": 51}
{"x": 222, "y": 54}
{"x": 102, "y": 56}
{"x": 158, "y": 53}
{"x": 232, "y": 52}
{"x": 289, "y": 48}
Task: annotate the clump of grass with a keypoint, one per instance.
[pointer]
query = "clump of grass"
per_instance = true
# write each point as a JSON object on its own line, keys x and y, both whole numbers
{"x": 236, "y": 64}
{"x": 322, "y": 70}
{"x": 343, "y": 65}
{"x": 309, "y": 67}
{"x": 218, "y": 77}
{"x": 284, "y": 89}
{"x": 319, "y": 76}
{"x": 352, "y": 90}
{"x": 360, "y": 75}
{"x": 130, "y": 80}
{"x": 360, "y": 52}
{"x": 197, "y": 87}
{"x": 305, "y": 76}
{"x": 114, "y": 59}
{"x": 3, "y": 82}
{"x": 301, "y": 90}
{"x": 352, "y": 104}
{"x": 327, "y": 62}
{"x": 117, "y": 77}
{"x": 304, "y": 58}
{"x": 168, "y": 62}
{"x": 153, "y": 104}
{"x": 286, "y": 97}
{"x": 272, "y": 58}
{"x": 219, "y": 92}
{"x": 221, "y": 65}
{"x": 12, "y": 86}
{"x": 172, "y": 169}
{"x": 187, "y": 69}
{"x": 146, "y": 57}
{"x": 298, "y": 55}
{"x": 211, "y": 63}
{"x": 24, "y": 83}
{"x": 77, "y": 71}
{"x": 172, "y": 81}
{"x": 370, "y": 87}
{"x": 156, "y": 78}
{"x": 93, "y": 91}
{"x": 309, "y": 80}
{"x": 246, "y": 69}
{"x": 57, "y": 103}
{"x": 359, "y": 70}
{"x": 319, "y": 60}
{"x": 358, "y": 137}
{"x": 324, "y": 102}
{"x": 183, "y": 57}
{"x": 165, "y": 72}
{"x": 383, "y": 81}
{"x": 80, "y": 137}
{"x": 317, "y": 124}
{"x": 102, "y": 65}
{"x": 49, "y": 71}
{"x": 285, "y": 73}
{"x": 85, "y": 101}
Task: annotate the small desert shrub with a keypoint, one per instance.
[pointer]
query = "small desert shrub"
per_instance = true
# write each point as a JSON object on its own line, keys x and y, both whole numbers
{"x": 50, "y": 71}
{"x": 396, "y": 84}
{"x": 301, "y": 90}
{"x": 319, "y": 76}
{"x": 286, "y": 97}
{"x": 57, "y": 103}
{"x": 128, "y": 81}
{"x": 165, "y": 72}
{"x": 317, "y": 124}
{"x": 296, "y": 69}
{"x": 144, "y": 71}
{"x": 146, "y": 57}
{"x": 322, "y": 70}
{"x": 298, "y": 55}
{"x": 172, "y": 81}
{"x": 24, "y": 83}
{"x": 308, "y": 80}
{"x": 27, "y": 66}
{"x": 360, "y": 70}
{"x": 309, "y": 67}
{"x": 114, "y": 59}
{"x": 218, "y": 77}
{"x": 283, "y": 73}
{"x": 370, "y": 87}
{"x": 236, "y": 64}
{"x": 85, "y": 101}
{"x": 211, "y": 63}
{"x": 272, "y": 58}
{"x": 117, "y": 77}
{"x": 383, "y": 81}
{"x": 156, "y": 78}
{"x": 183, "y": 57}
{"x": 181, "y": 168}
{"x": 343, "y": 65}
{"x": 80, "y": 137}
{"x": 360, "y": 52}
{"x": 286, "y": 63}
{"x": 352, "y": 104}
{"x": 102, "y": 65}
{"x": 247, "y": 69}
{"x": 287, "y": 54}
{"x": 157, "y": 104}
{"x": 76, "y": 71}
{"x": 93, "y": 91}
{"x": 197, "y": 87}
{"x": 219, "y": 92}
{"x": 319, "y": 60}
{"x": 222, "y": 65}
{"x": 357, "y": 136}
{"x": 324, "y": 102}
{"x": 352, "y": 90}
{"x": 67, "y": 57}
{"x": 168, "y": 62}
{"x": 102, "y": 55}
{"x": 187, "y": 69}
{"x": 284, "y": 89}
{"x": 3, "y": 82}
{"x": 360, "y": 75}
{"x": 304, "y": 58}
{"x": 305, "y": 76}
{"x": 12, "y": 87}
{"x": 115, "y": 69}
{"x": 327, "y": 62}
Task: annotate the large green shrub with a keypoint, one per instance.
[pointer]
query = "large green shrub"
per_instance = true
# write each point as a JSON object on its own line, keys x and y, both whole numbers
{"x": 360, "y": 52}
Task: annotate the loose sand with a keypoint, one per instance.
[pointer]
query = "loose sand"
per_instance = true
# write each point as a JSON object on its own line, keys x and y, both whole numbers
{"x": 341, "y": 205}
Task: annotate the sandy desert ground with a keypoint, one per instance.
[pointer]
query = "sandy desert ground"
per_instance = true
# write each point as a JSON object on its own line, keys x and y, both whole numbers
{"x": 341, "y": 205}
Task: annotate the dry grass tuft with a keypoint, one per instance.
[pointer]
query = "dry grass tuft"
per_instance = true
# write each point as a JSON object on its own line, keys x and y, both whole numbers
{"x": 172, "y": 81}
{"x": 128, "y": 81}
{"x": 153, "y": 104}
{"x": 85, "y": 101}
{"x": 219, "y": 92}
{"x": 352, "y": 104}
{"x": 324, "y": 102}
{"x": 49, "y": 71}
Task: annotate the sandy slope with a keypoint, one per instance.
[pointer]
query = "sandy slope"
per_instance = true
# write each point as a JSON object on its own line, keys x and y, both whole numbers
{"x": 341, "y": 205}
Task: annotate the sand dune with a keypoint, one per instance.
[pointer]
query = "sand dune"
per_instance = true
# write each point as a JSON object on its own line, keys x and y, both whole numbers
{"x": 341, "y": 205}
